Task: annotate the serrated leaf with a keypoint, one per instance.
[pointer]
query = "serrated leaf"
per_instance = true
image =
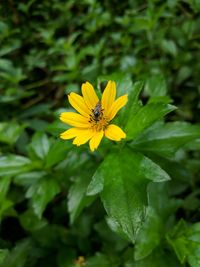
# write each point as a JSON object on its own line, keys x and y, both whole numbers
{"x": 125, "y": 177}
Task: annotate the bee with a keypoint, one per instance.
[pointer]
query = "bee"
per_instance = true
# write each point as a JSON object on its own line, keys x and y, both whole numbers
{"x": 97, "y": 112}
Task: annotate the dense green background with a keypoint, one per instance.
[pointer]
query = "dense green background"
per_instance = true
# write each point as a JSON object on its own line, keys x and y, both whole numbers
{"x": 47, "y": 49}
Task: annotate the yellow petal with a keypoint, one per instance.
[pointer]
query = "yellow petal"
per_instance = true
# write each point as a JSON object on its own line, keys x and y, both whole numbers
{"x": 75, "y": 119}
{"x": 117, "y": 105}
{"x": 83, "y": 137}
{"x": 78, "y": 103}
{"x": 95, "y": 140}
{"x": 108, "y": 96}
{"x": 71, "y": 133}
{"x": 114, "y": 132}
{"x": 89, "y": 95}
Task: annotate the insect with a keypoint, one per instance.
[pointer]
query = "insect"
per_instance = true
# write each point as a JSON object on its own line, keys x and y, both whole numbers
{"x": 97, "y": 112}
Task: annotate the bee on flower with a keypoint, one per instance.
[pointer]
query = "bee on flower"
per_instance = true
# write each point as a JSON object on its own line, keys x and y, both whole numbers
{"x": 93, "y": 122}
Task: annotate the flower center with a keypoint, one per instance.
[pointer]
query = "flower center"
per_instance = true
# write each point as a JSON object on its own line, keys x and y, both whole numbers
{"x": 97, "y": 119}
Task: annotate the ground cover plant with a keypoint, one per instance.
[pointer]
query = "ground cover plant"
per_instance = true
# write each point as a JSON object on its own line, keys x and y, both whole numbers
{"x": 129, "y": 196}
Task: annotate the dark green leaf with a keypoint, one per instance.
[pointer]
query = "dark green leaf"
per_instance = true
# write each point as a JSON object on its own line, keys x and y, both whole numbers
{"x": 41, "y": 194}
{"x": 145, "y": 117}
{"x": 166, "y": 139}
{"x": 124, "y": 176}
{"x": 57, "y": 152}
{"x": 77, "y": 198}
{"x": 185, "y": 240}
{"x": 18, "y": 255}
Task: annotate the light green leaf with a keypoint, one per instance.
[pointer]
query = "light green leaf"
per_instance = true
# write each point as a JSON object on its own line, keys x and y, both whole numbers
{"x": 156, "y": 86}
{"x": 3, "y": 254}
{"x": 11, "y": 165}
{"x": 4, "y": 186}
{"x": 10, "y": 132}
{"x": 39, "y": 146}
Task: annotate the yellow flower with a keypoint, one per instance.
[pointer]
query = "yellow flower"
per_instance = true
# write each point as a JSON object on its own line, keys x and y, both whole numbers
{"x": 93, "y": 122}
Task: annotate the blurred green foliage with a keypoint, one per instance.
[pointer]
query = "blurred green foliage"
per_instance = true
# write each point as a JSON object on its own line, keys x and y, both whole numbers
{"x": 50, "y": 209}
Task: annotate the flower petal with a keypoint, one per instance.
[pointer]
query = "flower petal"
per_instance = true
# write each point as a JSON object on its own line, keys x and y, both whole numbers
{"x": 75, "y": 119}
{"x": 114, "y": 132}
{"x": 95, "y": 140}
{"x": 71, "y": 133}
{"x": 108, "y": 96}
{"x": 89, "y": 95}
{"x": 117, "y": 105}
{"x": 78, "y": 103}
{"x": 83, "y": 137}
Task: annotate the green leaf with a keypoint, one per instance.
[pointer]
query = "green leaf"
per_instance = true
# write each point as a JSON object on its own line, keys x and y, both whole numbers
{"x": 125, "y": 86}
{"x": 3, "y": 254}
{"x": 4, "y": 187}
{"x": 6, "y": 204}
{"x": 30, "y": 221}
{"x": 185, "y": 240}
{"x": 10, "y": 132}
{"x": 159, "y": 213}
{"x": 125, "y": 177}
{"x": 167, "y": 138}
{"x": 145, "y": 117}
{"x": 29, "y": 178}
{"x": 39, "y": 146}
{"x": 169, "y": 46}
{"x": 57, "y": 152}
{"x": 159, "y": 258}
{"x": 101, "y": 260}
{"x": 41, "y": 194}
{"x": 11, "y": 165}
{"x": 149, "y": 235}
{"x": 18, "y": 255}
{"x": 132, "y": 106}
{"x": 77, "y": 198}
{"x": 156, "y": 86}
